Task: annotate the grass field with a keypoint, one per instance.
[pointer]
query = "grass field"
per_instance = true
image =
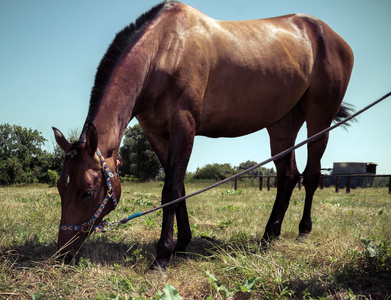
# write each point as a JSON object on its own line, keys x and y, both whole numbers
{"x": 347, "y": 256}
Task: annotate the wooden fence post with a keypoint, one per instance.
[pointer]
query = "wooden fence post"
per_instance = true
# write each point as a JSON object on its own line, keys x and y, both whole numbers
{"x": 321, "y": 182}
{"x": 348, "y": 185}
{"x": 336, "y": 184}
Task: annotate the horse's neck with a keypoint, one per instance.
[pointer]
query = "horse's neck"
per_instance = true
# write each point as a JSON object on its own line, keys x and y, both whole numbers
{"x": 121, "y": 98}
{"x": 116, "y": 108}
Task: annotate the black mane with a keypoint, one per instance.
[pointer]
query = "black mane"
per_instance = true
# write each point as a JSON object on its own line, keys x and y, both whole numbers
{"x": 120, "y": 45}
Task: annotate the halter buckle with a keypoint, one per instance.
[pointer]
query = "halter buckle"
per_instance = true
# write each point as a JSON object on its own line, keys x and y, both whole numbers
{"x": 85, "y": 227}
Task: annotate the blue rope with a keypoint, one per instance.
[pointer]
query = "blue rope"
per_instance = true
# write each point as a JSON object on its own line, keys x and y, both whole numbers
{"x": 134, "y": 216}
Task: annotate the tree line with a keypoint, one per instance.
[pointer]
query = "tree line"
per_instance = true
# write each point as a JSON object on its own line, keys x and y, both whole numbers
{"x": 23, "y": 159}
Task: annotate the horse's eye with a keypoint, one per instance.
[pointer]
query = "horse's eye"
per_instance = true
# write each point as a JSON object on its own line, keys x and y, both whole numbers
{"x": 88, "y": 194}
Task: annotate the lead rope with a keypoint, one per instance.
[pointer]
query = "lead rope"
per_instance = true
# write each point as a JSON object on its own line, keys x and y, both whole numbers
{"x": 275, "y": 157}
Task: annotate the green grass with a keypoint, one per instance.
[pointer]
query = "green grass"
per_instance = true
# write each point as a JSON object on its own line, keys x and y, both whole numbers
{"x": 347, "y": 255}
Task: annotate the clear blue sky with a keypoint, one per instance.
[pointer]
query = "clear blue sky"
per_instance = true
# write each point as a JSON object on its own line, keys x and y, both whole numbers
{"x": 49, "y": 52}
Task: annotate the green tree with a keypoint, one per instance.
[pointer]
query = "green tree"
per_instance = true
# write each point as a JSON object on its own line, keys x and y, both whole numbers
{"x": 10, "y": 170}
{"x": 21, "y": 156}
{"x": 214, "y": 172}
{"x": 259, "y": 171}
{"x": 138, "y": 158}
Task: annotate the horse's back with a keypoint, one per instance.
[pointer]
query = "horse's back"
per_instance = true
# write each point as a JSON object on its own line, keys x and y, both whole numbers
{"x": 243, "y": 76}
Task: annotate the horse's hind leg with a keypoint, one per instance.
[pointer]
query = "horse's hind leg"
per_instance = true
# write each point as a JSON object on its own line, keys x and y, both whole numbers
{"x": 282, "y": 136}
{"x": 320, "y": 105}
{"x": 318, "y": 118}
{"x": 311, "y": 180}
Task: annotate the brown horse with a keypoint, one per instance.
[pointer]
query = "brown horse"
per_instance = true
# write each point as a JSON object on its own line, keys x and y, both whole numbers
{"x": 181, "y": 74}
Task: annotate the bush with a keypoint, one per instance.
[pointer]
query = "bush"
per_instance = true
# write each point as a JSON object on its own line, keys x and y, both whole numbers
{"x": 128, "y": 178}
{"x": 53, "y": 178}
{"x": 215, "y": 172}
{"x": 28, "y": 177}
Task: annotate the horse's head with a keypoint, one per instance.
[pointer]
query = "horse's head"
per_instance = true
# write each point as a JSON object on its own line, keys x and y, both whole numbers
{"x": 83, "y": 187}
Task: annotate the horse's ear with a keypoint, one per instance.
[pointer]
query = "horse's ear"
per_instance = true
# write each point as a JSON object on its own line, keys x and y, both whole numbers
{"x": 61, "y": 140}
{"x": 91, "y": 140}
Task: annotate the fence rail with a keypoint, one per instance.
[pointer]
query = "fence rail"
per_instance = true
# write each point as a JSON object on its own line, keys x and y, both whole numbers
{"x": 321, "y": 180}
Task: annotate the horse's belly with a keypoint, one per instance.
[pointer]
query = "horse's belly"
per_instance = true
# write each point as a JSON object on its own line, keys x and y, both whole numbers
{"x": 249, "y": 105}
{"x": 230, "y": 128}
{"x": 237, "y": 117}
{"x": 240, "y": 100}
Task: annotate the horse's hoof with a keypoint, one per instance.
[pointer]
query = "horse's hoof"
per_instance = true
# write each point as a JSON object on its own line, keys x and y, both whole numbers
{"x": 180, "y": 251}
{"x": 264, "y": 245}
{"x": 302, "y": 237}
{"x": 158, "y": 267}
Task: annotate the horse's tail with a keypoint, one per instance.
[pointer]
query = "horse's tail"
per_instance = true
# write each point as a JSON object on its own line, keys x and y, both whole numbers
{"x": 346, "y": 110}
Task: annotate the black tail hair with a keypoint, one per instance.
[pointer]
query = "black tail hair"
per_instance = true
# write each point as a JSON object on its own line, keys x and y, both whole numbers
{"x": 346, "y": 110}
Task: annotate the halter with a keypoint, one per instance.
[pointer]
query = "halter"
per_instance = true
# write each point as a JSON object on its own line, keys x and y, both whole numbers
{"x": 89, "y": 226}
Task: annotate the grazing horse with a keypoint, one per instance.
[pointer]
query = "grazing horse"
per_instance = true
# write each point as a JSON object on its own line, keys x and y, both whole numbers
{"x": 182, "y": 74}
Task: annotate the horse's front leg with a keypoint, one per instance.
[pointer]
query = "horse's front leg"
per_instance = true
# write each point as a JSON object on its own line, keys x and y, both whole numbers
{"x": 287, "y": 177}
{"x": 184, "y": 231}
{"x": 180, "y": 144}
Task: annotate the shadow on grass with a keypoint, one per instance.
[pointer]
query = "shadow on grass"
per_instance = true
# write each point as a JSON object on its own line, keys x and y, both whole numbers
{"x": 101, "y": 249}
{"x": 207, "y": 247}
{"x": 27, "y": 254}
{"x": 357, "y": 280}
{"x": 363, "y": 278}
{"x": 105, "y": 251}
